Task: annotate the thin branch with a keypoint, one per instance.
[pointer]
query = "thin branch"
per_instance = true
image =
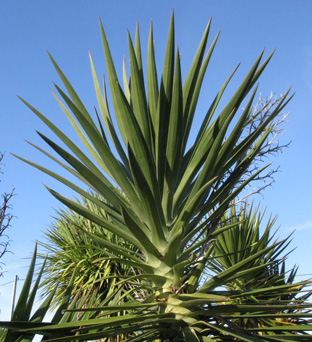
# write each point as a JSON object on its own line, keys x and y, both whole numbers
{"x": 5, "y": 220}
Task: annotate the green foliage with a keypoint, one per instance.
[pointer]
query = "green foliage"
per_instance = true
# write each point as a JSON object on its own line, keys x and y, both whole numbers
{"x": 72, "y": 251}
{"x": 242, "y": 241}
{"x": 174, "y": 192}
{"x": 269, "y": 281}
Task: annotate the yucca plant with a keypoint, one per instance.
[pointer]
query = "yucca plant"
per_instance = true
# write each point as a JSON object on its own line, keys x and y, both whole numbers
{"x": 243, "y": 240}
{"x": 174, "y": 192}
{"x": 246, "y": 238}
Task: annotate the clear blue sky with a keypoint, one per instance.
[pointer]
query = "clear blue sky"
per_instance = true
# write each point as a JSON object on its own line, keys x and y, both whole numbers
{"x": 69, "y": 29}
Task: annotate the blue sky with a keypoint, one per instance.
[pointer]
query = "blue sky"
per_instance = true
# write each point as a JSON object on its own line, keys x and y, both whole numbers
{"x": 69, "y": 29}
